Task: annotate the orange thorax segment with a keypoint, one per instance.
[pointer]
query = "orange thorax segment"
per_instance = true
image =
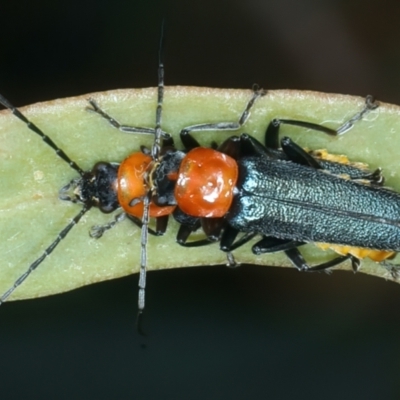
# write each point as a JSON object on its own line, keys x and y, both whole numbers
{"x": 205, "y": 184}
{"x": 131, "y": 185}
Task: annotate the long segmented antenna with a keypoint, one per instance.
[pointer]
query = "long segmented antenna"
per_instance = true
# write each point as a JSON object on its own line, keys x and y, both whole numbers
{"x": 47, "y": 252}
{"x": 155, "y": 152}
{"x": 73, "y": 222}
{"x": 39, "y": 132}
{"x": 143, "y": 253}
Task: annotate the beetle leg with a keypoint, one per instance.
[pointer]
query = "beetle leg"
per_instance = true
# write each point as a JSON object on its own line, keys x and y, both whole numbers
{"x": 272, "y": 132}
{"x": 187, "y": 228}
{"x": 213, "y": 227}
{"x": 355, "y": 263}
{"x": 297, "y": 154}
{"x": 187, "y": 225}
{"x": 212, "y": 235}
{"x": 95, "y": 108}
{"x": 228, "y": 239}
{"x": 161, "y": 224}
{"x": 97, "y": 231}
{"x": 298, "y": 261}
{"x": 212, "y": 230}
{"x": 370, "y": 104}
{"x": 231, "y": 147}
{"x": 190, "y": 142}
{"x": 230, "y": 261}
{"x": 270, "y": 244}
{"x": 375, "y": 177}
{"x": 250, "y": 146}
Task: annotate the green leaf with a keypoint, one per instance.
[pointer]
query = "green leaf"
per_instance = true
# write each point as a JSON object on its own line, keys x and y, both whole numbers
{"x": 32, "y": 215}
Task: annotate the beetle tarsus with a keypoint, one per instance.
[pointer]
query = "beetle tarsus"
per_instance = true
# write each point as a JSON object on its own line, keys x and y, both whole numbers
{"x": 230, "y": 260}
{"x": 97, "y": 231}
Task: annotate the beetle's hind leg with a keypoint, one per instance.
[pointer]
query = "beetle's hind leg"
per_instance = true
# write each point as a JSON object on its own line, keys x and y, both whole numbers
{"x": 370, "y": 104}
{"x": 190, "y": 142}
{"x": 272, "y": 132}
{"x": 298, "y": 261}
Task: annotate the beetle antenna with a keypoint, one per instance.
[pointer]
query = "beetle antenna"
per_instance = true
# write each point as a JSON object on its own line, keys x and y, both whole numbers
{"x": 46, "y": 253}
{"x": 143, "y": 252}
{"x": 155, "y": 152}
{"x": 39, "y": 132}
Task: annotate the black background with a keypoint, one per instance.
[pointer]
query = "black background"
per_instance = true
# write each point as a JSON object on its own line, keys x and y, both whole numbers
{"x": 254, "y": 332}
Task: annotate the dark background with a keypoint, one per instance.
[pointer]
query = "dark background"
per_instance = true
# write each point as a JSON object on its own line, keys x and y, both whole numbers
{"x": 254, "y": 332}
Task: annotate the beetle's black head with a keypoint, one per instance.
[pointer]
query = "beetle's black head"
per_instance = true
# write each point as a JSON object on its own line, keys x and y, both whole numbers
{"x": 97, "y": 188}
